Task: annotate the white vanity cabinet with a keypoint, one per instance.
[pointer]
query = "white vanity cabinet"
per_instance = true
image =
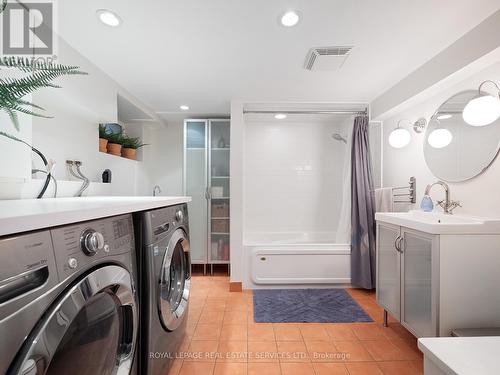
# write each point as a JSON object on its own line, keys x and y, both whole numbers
{"x": 434, "y": 283}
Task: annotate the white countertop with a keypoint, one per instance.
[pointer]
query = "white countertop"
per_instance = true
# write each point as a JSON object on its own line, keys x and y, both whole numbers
{"x": 22, "y": 215}
{"x": 439, "y": 223}
{"x": 463, "y": 355}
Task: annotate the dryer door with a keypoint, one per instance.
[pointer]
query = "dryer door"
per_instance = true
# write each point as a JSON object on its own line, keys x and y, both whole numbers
{"x": 175, "y": 281}
{"x": 92, "y": 329}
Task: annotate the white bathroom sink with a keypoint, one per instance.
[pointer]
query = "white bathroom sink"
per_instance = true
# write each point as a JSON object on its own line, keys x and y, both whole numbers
{"x": 440, "y": 223}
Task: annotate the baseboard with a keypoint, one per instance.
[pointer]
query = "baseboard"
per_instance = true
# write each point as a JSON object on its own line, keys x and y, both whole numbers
{"x": 235, "y": 286}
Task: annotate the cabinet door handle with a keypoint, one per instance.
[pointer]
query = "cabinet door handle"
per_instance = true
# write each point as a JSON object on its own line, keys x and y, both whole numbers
{"x": 402, "y": 242}
{"x": 396, "y": 243}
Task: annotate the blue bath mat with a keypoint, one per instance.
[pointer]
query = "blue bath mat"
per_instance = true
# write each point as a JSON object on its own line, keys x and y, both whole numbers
{"x": 306, "y": 306}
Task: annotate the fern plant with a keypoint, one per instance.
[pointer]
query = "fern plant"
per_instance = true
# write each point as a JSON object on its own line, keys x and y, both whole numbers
{"x": 131, "y": 142}
{"x": 39, "y": 74}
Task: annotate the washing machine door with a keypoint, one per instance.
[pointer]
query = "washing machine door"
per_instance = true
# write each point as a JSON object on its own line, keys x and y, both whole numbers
{"x": 175, "y": 281}
{"x": 91, "y": 329}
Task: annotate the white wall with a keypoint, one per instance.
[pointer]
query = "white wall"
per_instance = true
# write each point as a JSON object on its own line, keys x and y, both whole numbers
{"x": 164, "y": 158}
{"x": 293, "y": 174}
{"x": 478, "y": 196}
{"x": 77, "y": 108}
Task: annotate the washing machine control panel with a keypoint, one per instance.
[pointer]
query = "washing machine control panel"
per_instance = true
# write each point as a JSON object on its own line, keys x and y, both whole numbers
{"x": 91, "y": 241}
{"x": 81, "y": 245}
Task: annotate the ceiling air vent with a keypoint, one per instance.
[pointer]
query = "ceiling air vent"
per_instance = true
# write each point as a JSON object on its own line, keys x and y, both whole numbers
{"x": 326, "y": 58}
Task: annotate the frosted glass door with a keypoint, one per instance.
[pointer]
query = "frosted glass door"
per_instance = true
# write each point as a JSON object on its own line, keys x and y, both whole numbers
{"x": 418, "y": 314}
{"x": 388, "y": 269}
{"x": 219, "y": 187}
{"x": 195, "y": 184}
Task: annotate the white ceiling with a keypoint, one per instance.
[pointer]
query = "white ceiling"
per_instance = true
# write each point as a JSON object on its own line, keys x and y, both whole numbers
{"x": 206, "y": 53}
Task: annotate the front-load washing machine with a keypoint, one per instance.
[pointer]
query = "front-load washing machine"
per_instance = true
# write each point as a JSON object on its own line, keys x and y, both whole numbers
{"x": 164, "y": 264}
{"x": 68, "y": 302}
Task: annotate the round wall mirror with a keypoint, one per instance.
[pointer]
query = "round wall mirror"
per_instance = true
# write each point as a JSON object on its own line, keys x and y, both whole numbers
{"x": 454, "y": 150}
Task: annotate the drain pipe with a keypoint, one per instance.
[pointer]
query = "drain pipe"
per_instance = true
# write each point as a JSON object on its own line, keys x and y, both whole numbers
{"x": 48, "y": 164}
{"x": 51, "y": 177}
{"x": 79, "y": 175}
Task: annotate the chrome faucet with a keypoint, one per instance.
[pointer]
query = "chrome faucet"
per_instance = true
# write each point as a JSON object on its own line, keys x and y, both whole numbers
{"x": 156, "y": 190}
{"x": 447, "y": 204}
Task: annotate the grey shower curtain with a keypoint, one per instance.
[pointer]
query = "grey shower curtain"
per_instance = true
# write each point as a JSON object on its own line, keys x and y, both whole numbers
{"x": 362, "y": 208}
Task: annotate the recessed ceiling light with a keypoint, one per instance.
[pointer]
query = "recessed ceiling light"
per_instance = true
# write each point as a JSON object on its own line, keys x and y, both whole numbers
{"x": 184, "y": 107}
{"x": 444, "y": 117}
{"x": 290, "y": 18}
{"x": 280, "y": 116}
{"x": 108, "y": 17}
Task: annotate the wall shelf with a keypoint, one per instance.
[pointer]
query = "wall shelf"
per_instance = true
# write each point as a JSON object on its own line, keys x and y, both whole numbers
{"x": 120, "y": 157}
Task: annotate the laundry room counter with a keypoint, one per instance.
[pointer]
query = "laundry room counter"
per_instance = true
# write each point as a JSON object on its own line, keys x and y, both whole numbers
{"x": 461, "y": 355}
{"x": 22, "y": 215}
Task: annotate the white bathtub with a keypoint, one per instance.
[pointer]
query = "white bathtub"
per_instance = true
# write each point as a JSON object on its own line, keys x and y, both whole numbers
{"x": 295, "y": 260}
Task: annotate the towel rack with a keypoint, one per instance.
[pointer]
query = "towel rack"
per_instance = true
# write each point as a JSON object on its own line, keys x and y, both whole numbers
{"x": 412, "y": 192}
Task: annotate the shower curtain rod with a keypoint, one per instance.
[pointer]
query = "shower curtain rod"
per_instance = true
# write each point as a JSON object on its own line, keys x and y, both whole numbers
{"x": 310, "y": 112}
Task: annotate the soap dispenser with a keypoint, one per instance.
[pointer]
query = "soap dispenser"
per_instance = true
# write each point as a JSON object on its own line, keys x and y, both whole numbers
{"x": 427, "y": 205}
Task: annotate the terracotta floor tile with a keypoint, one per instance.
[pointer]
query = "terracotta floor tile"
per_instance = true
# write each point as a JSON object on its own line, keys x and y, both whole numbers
{"x": 176, "y": 367}
{"x": 264, "y": 368}
{"x": 210, "y": 297}
{"x": 383, "y": 350}
{"x": 211, "y": 300}
{"x": 230, "y": 369}
{"x": 314, "y": 333}
{"x": 321, "y": 351}
{"x": 352, "y": 350}
{"x": 401, "y": 331}
{"x": 194, "y": 315}
{"x": 236, "y": 317}
{"x": 262, "y": 351}
{"x": 207, "y": 332}
{"x": 190, "y": 327}
{"x": 215, "y": 306}
{"x": 236, "y": 332}
{"x": 287, "y": 333}
{"x": 303, "y": 368}
{"x": 369, "y": 332}
{"x": 419, "y": 365}
{"x": 236, "y": 305}
{"x": 364, "y": 368}
{"x": 258, "y": 332}
{"x": 184, "y": 346}
{"x": 409, "y": 349}
{"x": 232, "y": 351}
{"x": 337, "y": 332}
{"x": 398, "y": 368}
{"x": 197, "y": 368}
{"x": 203, "y": 350}
{"x": 358, "y": 292}
{"x": 211, "y": 317}
{"x": 330, "y": 369}
{"x": 292, "y": 351}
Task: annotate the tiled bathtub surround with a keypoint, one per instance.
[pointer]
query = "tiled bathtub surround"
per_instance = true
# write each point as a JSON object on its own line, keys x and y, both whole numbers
{"x": 222, "y": 338}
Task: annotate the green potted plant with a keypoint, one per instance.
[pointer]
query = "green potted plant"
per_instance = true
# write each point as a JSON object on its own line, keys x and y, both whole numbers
{"x": 103, "y": 138}
{"x": 130, "y": 146}
{"x": 114, "y": 146}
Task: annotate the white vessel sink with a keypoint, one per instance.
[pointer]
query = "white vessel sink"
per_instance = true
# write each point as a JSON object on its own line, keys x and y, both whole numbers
{"x": 440, "y": 223}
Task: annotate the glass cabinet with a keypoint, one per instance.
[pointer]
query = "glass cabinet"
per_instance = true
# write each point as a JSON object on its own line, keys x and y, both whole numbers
{"x": 206, "y": 180}
{"x": 407, "y": 277}
{"x": 388, "y": 269}
{"x": 418, "y": 294}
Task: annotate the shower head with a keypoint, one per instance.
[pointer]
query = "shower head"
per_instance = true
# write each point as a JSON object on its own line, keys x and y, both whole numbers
{"x": 338, "y": 137}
